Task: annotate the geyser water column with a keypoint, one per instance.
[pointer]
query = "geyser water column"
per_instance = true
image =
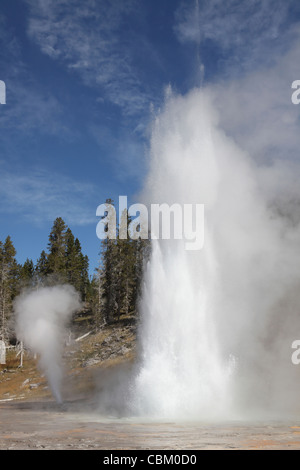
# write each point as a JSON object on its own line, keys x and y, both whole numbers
{"x": 205, "y": 312}
{"x": 41, "y": 318}
{"x": 182, "y": 373}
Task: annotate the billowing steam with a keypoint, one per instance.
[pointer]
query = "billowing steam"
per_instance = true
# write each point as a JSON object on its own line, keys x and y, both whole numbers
{"x": 41, "y": 318}
{"x": 218, "y": 324}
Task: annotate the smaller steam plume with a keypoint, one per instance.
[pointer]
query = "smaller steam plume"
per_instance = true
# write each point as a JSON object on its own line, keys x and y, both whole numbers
{"x": 41, "y": 319}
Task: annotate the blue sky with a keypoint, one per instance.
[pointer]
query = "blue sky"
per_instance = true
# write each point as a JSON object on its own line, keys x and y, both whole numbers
{"x": 84, "y": 80}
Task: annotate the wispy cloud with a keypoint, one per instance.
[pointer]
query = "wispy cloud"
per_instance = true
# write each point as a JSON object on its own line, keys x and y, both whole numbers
{"x": 28, "y": 108}
{"x": 245, "y": 32}
{"x": 257, "y": 46}
{"x": 40, "y": 197}
{"x": 257, "y": 112}
{"x": 89, "y": 38}
{"x": 263, "y": 42}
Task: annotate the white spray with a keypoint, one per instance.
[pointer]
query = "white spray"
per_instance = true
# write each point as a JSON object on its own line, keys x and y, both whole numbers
{"x": 217, "y": 324}
{"x": 41, "y": 318}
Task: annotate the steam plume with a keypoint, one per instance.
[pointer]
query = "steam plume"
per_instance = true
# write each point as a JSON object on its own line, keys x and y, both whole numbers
{"x": 41, "y": 317}
{"x": 217, "y": 325}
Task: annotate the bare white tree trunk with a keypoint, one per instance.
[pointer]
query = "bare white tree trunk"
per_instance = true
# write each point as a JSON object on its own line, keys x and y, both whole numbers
{"x": 2, "y": 352}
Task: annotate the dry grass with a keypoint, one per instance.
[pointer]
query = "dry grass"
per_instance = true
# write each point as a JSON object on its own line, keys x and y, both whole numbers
{"x": 16, "y": 382}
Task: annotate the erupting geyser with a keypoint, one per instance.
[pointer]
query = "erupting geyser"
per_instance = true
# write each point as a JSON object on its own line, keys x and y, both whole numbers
{"x": 217, "y": 324}
{"x": 41, "y": 317}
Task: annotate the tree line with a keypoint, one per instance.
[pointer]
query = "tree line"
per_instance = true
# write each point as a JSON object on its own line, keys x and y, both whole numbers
{"x": 120, "y": 273}
{"x": 111, "y": 292}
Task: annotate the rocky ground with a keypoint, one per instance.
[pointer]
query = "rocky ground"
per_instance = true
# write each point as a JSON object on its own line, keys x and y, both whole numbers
{"x": 86, "y": 353}
{"x": 30, "y": 419}
{"x": 42, "y": 425}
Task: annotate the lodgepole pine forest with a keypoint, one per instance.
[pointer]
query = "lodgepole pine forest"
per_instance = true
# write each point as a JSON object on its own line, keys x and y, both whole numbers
{"x": 107, "y": 295}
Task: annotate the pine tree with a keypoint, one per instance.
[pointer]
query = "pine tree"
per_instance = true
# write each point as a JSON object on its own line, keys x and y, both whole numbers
{"x": 125, "y": 267}
{"x": 84, "y": 278}
{"x": 71, "y": 259}
{"x": 142, "y": 255}
{"x": 8, "y": 284}
{"x": 41, "y": 267}
{"x": 26, "y": 273}
{"x": 108, "y": 270}
{"x": 94, "y": 299}
{"x": 56, "y": 259}
{"x": 121, "y": 271}
{"x": 77, "y": 264}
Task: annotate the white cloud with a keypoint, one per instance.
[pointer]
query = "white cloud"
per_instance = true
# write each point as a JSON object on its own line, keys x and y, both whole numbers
{"x": 28, "y": 107}
{"x": 88, "y": 38}
{"x": 28, "y": 110}
{"x": 40, "y": 197}
{"x": 245, "y": 31}
{"x": 230, "y": 22}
